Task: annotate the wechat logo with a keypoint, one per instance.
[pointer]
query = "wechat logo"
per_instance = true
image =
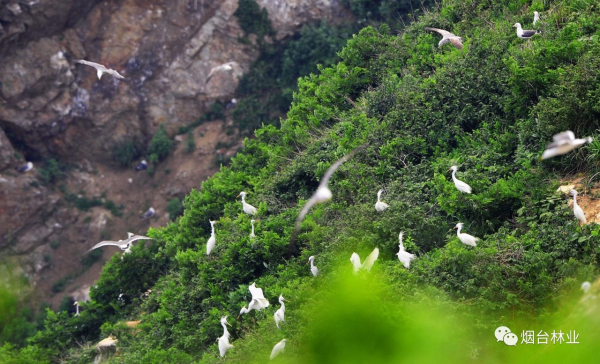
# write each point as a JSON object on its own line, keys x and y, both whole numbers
{"x": 503, "y": 334}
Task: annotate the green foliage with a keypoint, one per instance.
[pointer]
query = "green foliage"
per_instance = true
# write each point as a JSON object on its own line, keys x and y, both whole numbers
{"x": 190, "y": 142}
{"x": 391, "y": 12}
{"x": 125, "y": 151}
{"x": 51, "y": 171}
{"x": 175, "y": 208}
{"x": 160, "y": 145}
{"x": 253, "y": 19}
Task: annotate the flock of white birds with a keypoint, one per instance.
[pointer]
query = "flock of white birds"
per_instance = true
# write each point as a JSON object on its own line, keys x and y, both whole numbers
{"x": 563, "y": 143}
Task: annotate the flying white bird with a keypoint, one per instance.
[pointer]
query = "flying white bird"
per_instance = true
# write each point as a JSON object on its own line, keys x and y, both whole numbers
{"x": 278, "y": 348}
{"x": 210, "y": 244}
{"x": 460, "y": 185}
{"x": 313, "y": 268}
{"x": 577, "y": 209}
{"x": 258, "y": 301}
{"x": 563, "y": 143}
{"x": 280, "y": 314}
{"x": 224, "y": 344}
{"x": 76, "y": 304}
{"x": 465, "y": 238}
{"x": 536, "y": 17}
{"x": 249, "y": 209}
{"x": 404, "y": 256}
{"x": 124, "y": 245}
{"x": 367, "y": 264}
{"x": 380, "y": 205}
{"x": 142, "y": 166}
{"x": 25, "y": 167}
{"x": 447, "y": 37}
{"x": 323, "y": 193}
{"x": 252, "y": 235}
{"x": 151, "y": 212}
{"x": 225, "y": 67}
{"x": 101, "y": 69}
{"x": 525, "y": 34}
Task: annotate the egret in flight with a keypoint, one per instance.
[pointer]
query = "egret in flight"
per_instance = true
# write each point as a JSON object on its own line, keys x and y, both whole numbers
{"x": 258, "y": 301}
{"x": 313, "y": 268}
{"x": 563, "y": 143}
{"x": 124, "y": 245}
{"x": 280, "y": 314}
{"x": 210, "y": 244}
{"x": 465, "y": 238}
{"x": 404, "y": 256}
{"x": 249, "y": 209}
{"x": 278, "y": 348}
{"x": 322, "y": 194}
{"x": 367, "y": 264}
{"x": 380, "y": 206}
{"x": 224, "y": 344}
{"x": 577, "y": 209}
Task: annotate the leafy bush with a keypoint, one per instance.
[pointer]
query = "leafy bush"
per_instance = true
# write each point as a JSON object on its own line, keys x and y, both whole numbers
{"x": 190, "y": 142}
{"x": 160, "y": 145}
{"x": 253, "y": 19}
{"x": 51, "y": 171}
{"x": 175, "y": 208}
{"x": 125, "y": 151}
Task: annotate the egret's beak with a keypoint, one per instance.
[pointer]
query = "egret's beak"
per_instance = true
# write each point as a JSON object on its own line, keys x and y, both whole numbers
{"x": 239, "y": 195}
{"x": 454, "y": 228}
{"x": 75, "y": 304}
{"x": 227, "y": 323}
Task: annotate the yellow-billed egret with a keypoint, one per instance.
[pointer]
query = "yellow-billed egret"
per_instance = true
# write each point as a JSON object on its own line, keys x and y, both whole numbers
{"x": 224, "y": 344}
{"x": 249, "y": 209}
{"x": 258, "y": 301}
{"x": 252, "y": 236}
{"x": 76, "y": 304}
{"x": 210, "y": 244}
{"x": 313, "y": 268}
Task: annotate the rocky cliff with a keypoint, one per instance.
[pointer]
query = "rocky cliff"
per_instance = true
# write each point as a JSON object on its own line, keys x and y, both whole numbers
{"x": 52, "y": 107}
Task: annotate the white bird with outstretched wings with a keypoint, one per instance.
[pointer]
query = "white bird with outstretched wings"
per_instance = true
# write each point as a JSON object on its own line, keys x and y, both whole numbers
{"x": 100, "y": 69}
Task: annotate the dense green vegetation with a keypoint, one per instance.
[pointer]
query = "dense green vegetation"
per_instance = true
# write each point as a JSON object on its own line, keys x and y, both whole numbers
{"x": 419, "y": 109}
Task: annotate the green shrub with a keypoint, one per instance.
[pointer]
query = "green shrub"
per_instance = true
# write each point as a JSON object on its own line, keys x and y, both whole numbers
{"x": 253, "y": 19}
{"x": 175, "y": 208}
{"x": 125, "y": 151}
{"x": 160, "y": 145}
{"x": 51, "y": 171}
{"x": 190, "y": 142}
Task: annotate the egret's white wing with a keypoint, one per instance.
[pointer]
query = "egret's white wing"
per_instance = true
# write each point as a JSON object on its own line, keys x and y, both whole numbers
{"x": 257, "y": 293}
{"x": 115, "y": 74}
{"x": 355, "y": 259}
{"x": 444, "y": 33}
{"x": 93, "y": 64}
{"x": 370, "y": 260}
{"x": 565, "y": 135}
{"x": 337, "y": 164}
{"x": 105, "y": 243}
{"x": 133, "y": 238}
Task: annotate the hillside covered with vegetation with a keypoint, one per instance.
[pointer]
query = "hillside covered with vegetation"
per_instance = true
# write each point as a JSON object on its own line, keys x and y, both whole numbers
{"x": 489, "y": 108}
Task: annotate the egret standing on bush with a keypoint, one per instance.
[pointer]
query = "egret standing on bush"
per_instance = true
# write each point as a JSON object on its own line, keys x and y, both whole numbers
{"x": 313, "y": 268}
{"x": 210, "y": 244}
{"x": 460, "y": 185}
{"x": 224, "y": 344}
{"x": 404, "y": 256}
{"x": 278, "y": 348}
{"x": 380, "y": 206}
{"x": 280, "y": 314}
{"x": 577, "y": 209}
{"x": 249, "y": 209}
{"x": 465, "y": 238}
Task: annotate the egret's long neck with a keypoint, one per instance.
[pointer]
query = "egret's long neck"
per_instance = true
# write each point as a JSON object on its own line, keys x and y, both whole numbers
{"x": 574, "y": 200}
{"x": 243, "y": 199}
{"x": 311, "y": 264}
{"x": 458, "y": 230}
{"x": 225, "y": 332}
{"x": 252, "y": 228}
{"x": 77, "y": 308}
{"x": 379, "y": 196}
{"x": 454, "y": 174}
{"x": 401, "y": 245}
{"x": 282, "y": 305}
{"x": 212, "y": 229}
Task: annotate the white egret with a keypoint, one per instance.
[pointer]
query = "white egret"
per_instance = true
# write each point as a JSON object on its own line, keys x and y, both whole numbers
{"x": 249, "y": 209}
{"x": 76, "y": 304}
{"x": 258, "y": 301}
{"x": 460, "y": 185}
{"x": 367, "y": 264}
{"x": 563, "y": 143}
{"x": 577, "y": 209}
{"x": 313, "y": 268}
{"x": 278, "y": 348}
{"x": 210, "y": 244}
{"x": 322, "y": 194}
{"x": 585, "y": 286}
{"x": 100, "y": 69}
{"x": 224, "y": 344}
{"x": 280, "y": 314}
{"x": 380, "y": 205}
{"x": 252, "y": 236}
{"x": 465, "y": 238}
{"x": 536, "y": 17}
{"x": 525, "y": 34}
{"x": 124, "y": 245}
{"x": 447, "y": 37}
{"x": 404, "y": 256}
